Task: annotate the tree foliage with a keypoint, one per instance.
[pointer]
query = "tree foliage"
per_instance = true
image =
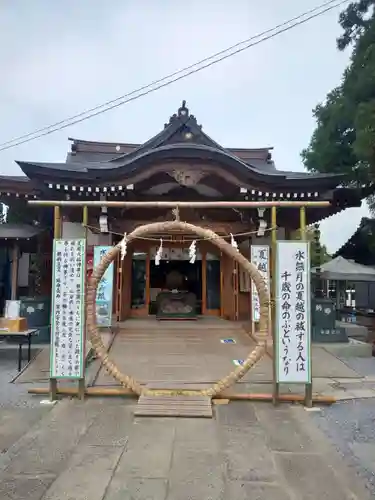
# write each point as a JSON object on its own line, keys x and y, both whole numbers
{"x": 318, "y": 253}
{"x": 344, "y": 138}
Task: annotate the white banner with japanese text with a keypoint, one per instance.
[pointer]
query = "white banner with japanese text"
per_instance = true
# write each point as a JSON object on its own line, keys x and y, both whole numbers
{"x": 293, "y": 314}
{"x": 68, "y": 309}
{"x": 104, "y": 295}
{"x": 260, "y": 257}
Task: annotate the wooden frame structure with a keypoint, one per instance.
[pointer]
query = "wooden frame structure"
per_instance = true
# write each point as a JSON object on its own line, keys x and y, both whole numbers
{"x": 221, "y": 204}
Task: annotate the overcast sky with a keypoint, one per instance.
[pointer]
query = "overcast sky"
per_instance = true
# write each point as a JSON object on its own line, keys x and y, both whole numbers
{"x": 59, "y": 58}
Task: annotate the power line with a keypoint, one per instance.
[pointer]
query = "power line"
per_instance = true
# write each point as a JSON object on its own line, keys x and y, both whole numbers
{"x": 171, "y": 75}
{"x": 264, "y": 36}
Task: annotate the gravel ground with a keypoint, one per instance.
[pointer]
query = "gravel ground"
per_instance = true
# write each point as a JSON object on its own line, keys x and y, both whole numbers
{"x": 350, "y": 425}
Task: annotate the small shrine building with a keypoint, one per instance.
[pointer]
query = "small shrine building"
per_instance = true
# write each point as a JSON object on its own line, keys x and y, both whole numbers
{"x": 180, "y": 163}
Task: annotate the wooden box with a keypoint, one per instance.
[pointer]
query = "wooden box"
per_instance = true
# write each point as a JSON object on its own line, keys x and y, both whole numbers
{"x": 16, "y": 325}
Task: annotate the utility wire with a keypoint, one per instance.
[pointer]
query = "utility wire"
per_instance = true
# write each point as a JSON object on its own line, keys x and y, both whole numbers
{"x": 171, "y": 75}
{"x": 264, "y": 36}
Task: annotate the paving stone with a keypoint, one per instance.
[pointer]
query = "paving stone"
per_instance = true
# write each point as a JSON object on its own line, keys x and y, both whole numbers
{"x": 195, "y": 480}
{"x": 240, "y": 490}
{"x": 197, "y": 433}
{"x": 210, "y": 488}
{"x": 283, "y": 432}
{"x": 21, "y": 487}
{"x": 46, "y": 447}
{"x": 15, "y": 422}
{"x": 88, "y": 475}
{"x": 189, "y": 465}
{"x": 110, "y": 427}
{"x": 197, "y": 471}
{"x": 310, "y": 477}
{"x": 237, "y": 413}
{"x": 122, "y": 488}
{"x": 149, "y": 450}
{"x": 246, "y": 454}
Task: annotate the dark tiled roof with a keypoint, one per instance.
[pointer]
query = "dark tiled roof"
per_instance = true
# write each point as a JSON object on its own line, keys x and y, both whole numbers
{"x": 181, "y": 138}
{"x": 14, "y": 178}
{"x": 18, "y": 231}
{"x": 360, "y": 247}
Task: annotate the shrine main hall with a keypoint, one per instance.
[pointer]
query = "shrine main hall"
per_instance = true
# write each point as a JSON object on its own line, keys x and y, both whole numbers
{"x": 181, "y": 163}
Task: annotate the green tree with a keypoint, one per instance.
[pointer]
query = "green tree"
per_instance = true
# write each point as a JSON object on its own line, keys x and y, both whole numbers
{"x": 318, "y": 252}
{"x": 344, "y": 138}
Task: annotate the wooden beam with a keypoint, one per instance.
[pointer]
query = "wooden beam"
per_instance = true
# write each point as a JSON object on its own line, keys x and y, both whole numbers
{"x": 180, "y": 204}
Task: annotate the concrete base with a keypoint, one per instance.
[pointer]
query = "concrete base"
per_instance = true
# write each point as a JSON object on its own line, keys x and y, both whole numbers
{"x": 354, "y": 348}
{"x": 353, "y": 330}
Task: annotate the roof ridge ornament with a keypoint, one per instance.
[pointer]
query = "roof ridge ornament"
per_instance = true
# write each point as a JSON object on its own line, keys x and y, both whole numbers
{"x": 183, "y": 110}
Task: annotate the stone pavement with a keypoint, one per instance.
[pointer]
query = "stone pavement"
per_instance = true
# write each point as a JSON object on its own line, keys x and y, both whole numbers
{"x": 97, "y": 450}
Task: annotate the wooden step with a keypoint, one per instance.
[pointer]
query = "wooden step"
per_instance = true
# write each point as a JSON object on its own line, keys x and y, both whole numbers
{"x": 174, "y": 406}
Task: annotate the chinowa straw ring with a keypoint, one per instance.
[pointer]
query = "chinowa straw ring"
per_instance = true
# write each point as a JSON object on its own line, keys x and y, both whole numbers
{"x": 128, "y": 381}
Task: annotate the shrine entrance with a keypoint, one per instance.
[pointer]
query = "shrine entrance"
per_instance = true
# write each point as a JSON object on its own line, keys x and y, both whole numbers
{"x": 128, "y": 381}
{"x": 187, "y": 289}
{"x": 226, "y": 250}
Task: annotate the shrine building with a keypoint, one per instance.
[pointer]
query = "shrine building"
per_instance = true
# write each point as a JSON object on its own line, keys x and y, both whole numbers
{"x": 180, "y": 163}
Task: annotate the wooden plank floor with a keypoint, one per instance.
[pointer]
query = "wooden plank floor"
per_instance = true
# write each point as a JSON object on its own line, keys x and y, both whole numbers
{"x": 174, "y": 406}
{"x": 181, "y": 352}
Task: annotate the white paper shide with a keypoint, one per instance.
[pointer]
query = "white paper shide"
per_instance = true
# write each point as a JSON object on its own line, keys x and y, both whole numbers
{"x": 293, "y": 311}
{"x": 67, "y": 310}
{"x": 260, "y": 257}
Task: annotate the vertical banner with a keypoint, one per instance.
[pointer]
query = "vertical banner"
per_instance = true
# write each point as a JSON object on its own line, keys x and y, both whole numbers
{"x": 260, "y": 257}
{"x": 293, "y": 315}
{"x": 104, "y": 296}
{"x": 68, "y": 309}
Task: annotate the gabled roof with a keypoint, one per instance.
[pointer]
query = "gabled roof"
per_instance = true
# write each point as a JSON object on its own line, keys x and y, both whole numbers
{"x": 361, "y": 245}
{"x": 346, "y": 270}
{"x": 181, "y": 139}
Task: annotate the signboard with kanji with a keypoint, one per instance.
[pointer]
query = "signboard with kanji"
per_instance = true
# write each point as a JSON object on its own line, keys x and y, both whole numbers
{"x": 293, "y": 315}
{"x": 68, "y": 309}
{"x": 104, "y": 295}
{"x": 260, "y": 257}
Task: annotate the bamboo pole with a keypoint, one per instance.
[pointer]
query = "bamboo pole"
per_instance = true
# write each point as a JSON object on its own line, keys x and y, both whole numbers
{"x": 81, "y": 381}
{"x": 232, "y": 396}
{"x": 276, "y": 389}
{"x": 53, "y": 389}
{"x": 308, "y": 387}
{"x": 180, "y": 204}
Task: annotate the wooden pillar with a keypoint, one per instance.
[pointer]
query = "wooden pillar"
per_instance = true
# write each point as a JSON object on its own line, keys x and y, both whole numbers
{"x": 235, "y": 291}
{"x": 204, "y": 281}
{"x": 302, "y": 225}
{"x": 275, "y": 389}
{"x": 221, "y": 285}
{"x": 147, "y": 291}
{"x": 56, "y": 234}
{"x": 15, "y": 263}
{"x": 119, "y": 288}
